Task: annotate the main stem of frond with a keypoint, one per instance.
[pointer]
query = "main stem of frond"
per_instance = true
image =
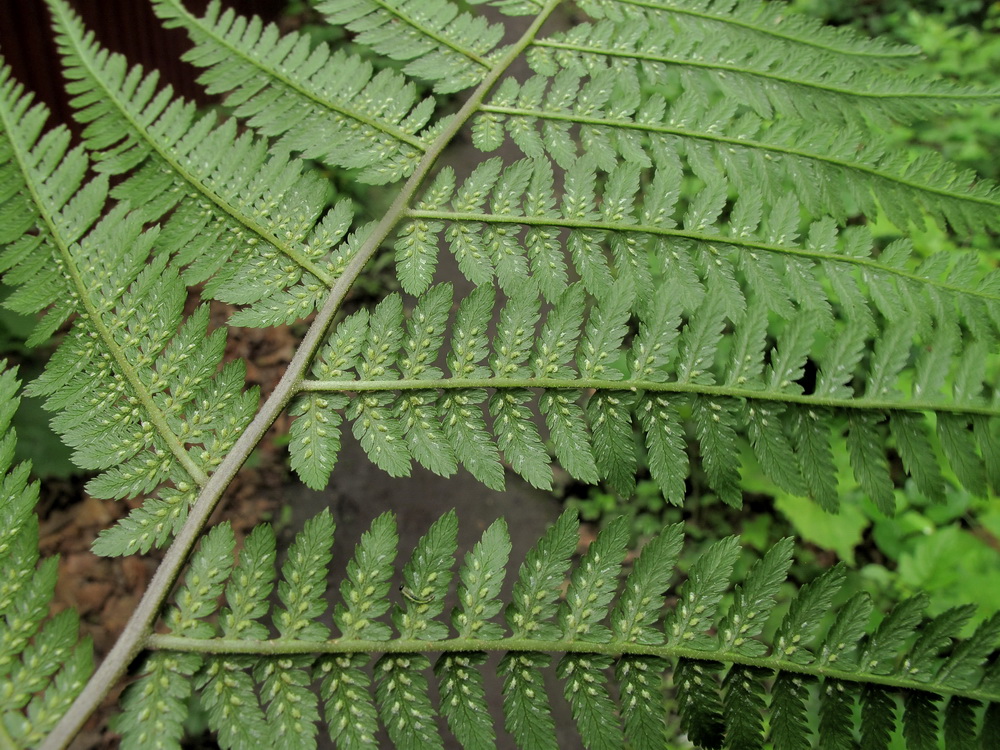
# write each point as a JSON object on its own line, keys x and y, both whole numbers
{"x": 139, "y": 626}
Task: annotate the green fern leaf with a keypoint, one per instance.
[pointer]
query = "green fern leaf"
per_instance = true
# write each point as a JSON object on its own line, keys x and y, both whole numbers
{"x": 698, "y": 702}
{"x": 715, "y": 422}
{"x": 154, "y": 707}
{"x": 805, "y": 614}
{"x": 638, "y": 608}
{"x": 193, "y": 170}
{"x": 406, "y": 710}
{"x": 350, "y": 714}
{"x": 481, "y": 577}
{"x": 960, "y": 723}
{"x": 870, "y": 467}
{"x": 719, "y": 693}
{"x": 643, "y": 715}
{"x": 754, "y": 601}
{"x": 228, "y": 696}
{"x": 836, "y": 714}
{"x": 463, "y": 699}
{"x": 677, "y": 228}
{"x": 425, "y": 579}
{"x": 593, "y": 709}
{"x": 700, "y": 595}
{"x": 742, "y": 706}
{"x": 593, "y": 584}
{"x": 367, "y": 585}
{"x": 301, "y": 589}
{"x": 533, "y": 602}
{"x": 789, "y": 726}
{"x": 878, "y": 716}
{"x": 666, "y": 450}
{"x": 528, "y": 716}
{"x": 205, "y": 579}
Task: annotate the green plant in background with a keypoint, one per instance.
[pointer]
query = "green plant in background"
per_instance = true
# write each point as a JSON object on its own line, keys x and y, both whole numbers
{"x": 674, "y": 248}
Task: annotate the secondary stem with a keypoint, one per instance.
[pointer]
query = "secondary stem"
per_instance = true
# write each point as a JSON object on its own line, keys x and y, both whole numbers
{"x": 290, "y": 647}
{"x": 139, "y": 626}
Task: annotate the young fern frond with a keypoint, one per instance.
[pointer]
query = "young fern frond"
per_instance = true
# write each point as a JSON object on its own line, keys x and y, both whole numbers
{"x": 43, "y": 662}
{"x": 138, "y": 390}
{"x": 613, "y": 640}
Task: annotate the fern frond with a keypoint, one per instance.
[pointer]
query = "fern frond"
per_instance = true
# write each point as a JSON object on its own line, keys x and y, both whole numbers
{"x": 729, "y": 680}
{"x": 406, "y": 409}
{"x": 325, "y": 104}
{"x": 440, "y": 43}
{"x": 137, "y": 392}
{"x": 755, "y": 18}
{"x": 761, "y": 77}
{"x": 620, "y": 115}
{"x": 247, "y": 221}
{"x": 43, "y": 662}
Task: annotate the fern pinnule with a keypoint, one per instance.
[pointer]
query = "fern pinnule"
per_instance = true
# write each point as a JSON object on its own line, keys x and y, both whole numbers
{"x": 327, "y": 105}
{"x": 44, "y": 663}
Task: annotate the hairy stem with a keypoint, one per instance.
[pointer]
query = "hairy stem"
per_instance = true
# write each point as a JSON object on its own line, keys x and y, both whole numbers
{"x": 651, "y": 386}
{"x": 139, "y": 626}
{"x": 291, "y": 647}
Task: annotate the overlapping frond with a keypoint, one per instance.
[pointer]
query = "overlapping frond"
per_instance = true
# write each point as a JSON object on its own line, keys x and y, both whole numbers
{"x": 137, "y": 388}
{"x": 245, "y": 220}
{"x": 615, "y": 114}
{"x": 750, "y": 71}
{"x": 326, "y": 104}
{"x": 738, "y": 327}
{"x": 614, "y": 642}
{"x": 43, "y": 662}
{"x": 439, "y": 42}
{"x": 768, "y": 21}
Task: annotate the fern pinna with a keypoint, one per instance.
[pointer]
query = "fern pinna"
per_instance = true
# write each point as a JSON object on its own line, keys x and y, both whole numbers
{"x": 615, "y": 640}
{"x": 667, "y": 243}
